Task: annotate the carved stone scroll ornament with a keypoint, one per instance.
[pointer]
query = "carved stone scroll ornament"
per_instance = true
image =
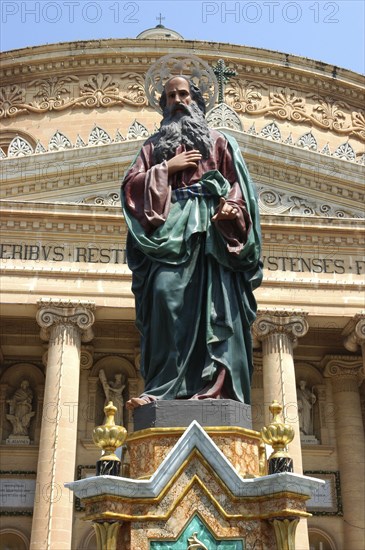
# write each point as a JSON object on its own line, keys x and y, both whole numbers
{"x": 12, "y": 101}
{"x": 292, "y": 324}
{"x": 347, "y": 373}
{"x": 326, "y": 113}
{"x": 66, "y": 92}
{"x": 277, "y": 202}
{"x": 76, "y": 315}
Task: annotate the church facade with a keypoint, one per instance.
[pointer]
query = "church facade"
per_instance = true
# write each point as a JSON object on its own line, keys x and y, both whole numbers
{"x": 73, "y": 117}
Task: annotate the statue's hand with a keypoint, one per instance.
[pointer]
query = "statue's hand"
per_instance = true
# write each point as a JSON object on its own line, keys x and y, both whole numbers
{"x": 225, "y": 211}
{"x": 182, "y": 161}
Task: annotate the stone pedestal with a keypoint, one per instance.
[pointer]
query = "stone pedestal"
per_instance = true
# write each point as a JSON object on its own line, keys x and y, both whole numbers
{"x": 195, "y": 487}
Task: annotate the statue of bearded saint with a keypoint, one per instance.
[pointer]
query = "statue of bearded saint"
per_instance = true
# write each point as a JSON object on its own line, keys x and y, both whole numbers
{"x": 20, "y": 409}
{"x": 194, "y": 251}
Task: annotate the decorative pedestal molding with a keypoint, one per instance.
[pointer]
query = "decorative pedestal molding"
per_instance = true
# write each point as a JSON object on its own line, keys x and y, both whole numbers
{"x": 64, "y": 325}
{"x": 346, "y": 373}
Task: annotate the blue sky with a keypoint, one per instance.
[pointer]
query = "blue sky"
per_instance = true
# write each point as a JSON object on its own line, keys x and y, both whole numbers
{"x": 332, "y": 32}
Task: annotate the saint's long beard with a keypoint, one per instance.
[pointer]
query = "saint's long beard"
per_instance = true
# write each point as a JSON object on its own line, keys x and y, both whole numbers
{"x": 190, "y": 130}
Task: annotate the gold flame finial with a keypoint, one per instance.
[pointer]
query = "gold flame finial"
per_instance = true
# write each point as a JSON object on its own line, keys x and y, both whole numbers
{"x": 277, "y": 433}
{"x": 109, "y": 436}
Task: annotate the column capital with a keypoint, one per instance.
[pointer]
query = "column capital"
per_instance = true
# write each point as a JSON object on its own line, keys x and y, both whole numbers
{"x": 354, "y": 332}
{"x": 292, "y": 324}
{"x": 76, "y": 314}
{"x": 343, "y": 367}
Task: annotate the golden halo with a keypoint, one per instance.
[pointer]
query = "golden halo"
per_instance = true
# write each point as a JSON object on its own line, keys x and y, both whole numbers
{"x": 186, "y": 65}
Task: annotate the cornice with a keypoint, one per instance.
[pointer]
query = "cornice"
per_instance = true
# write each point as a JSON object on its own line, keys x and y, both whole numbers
{"x": 116, "y": 50}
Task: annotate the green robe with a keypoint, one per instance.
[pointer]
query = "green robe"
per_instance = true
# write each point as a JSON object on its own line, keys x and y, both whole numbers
{"x": 194, "y": 298}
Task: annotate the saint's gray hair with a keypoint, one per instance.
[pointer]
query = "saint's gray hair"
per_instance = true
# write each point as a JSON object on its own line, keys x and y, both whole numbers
{"x": 190, "y": 130}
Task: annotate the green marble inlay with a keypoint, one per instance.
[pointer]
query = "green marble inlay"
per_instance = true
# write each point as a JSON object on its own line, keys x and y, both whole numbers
{"x": 198, "y": 537}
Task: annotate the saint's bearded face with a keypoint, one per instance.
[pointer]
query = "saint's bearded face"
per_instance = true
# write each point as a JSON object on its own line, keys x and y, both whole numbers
{"x": 183, "y": 124}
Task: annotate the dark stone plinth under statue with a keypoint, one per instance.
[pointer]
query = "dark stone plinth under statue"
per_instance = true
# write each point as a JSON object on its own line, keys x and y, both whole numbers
{"x": 180, "y": 413}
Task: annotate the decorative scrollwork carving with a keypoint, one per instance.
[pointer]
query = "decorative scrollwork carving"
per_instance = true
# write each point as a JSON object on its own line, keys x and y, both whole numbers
{"x": 276, "y": 202}
{"x": 346, "y": 371}
{"x": 53, "y": 92}
{"x": 286, "y": 104}
{"x": 323, "y": 112}
{"x": 100, "y": 90}
{"x": 66, "y": 92}
{"x": 12, "y": 101}
{"x": 292, "y": 324}
{"x": 86, "y": 358}
{"x": 244, "y": 96}
{"x": 70, "y": 314}
{"x": 328, "y": 113}
{"x": 110, "y": 199}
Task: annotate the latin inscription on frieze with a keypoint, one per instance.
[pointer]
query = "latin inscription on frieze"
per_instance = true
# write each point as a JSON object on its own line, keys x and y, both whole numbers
{"x": 106, "y": 254}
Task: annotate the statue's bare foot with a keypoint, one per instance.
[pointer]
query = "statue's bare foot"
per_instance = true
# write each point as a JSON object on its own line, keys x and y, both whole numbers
{"x": 136, "y": 402}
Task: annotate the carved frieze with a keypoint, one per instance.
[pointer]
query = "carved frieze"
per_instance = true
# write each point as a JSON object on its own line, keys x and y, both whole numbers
{"x": 284, "y": 103}
{"x": 272, "y": 201}
{"x": 68, "y": 92}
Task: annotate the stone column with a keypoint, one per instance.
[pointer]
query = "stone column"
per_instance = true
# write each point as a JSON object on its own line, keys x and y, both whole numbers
{"x": 346, "y": 373}
{"x": 64, "y": 325}
{"x": 86, "y": 363}
{"x": 92, "y": 385}
{"x": 279, "y": 331}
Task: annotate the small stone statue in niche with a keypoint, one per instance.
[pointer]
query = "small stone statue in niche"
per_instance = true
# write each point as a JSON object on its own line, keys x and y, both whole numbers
{"x": 306, "y": 399}
{"x": 20, "y": 410}
{"x": 113, "y": 390}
